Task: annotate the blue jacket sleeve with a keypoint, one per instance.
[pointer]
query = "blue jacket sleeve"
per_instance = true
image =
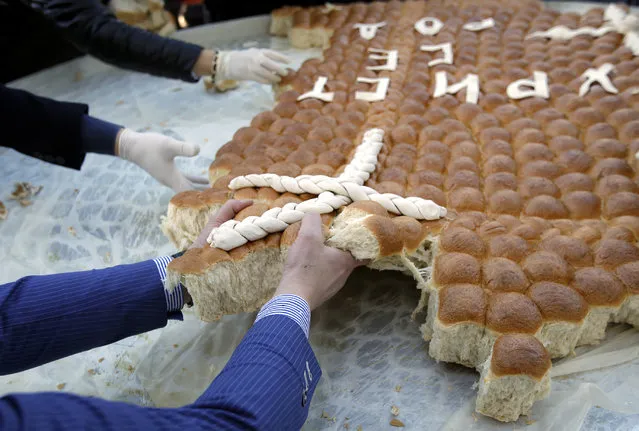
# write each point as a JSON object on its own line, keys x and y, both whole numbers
{"x": 44, "y": 318}
{"x": 53, "y": 131}
{"x": 267, "y": 385}
{"x": 96, "y": 31}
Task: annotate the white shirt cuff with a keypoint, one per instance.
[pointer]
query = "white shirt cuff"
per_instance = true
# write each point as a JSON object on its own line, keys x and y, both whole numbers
{"x": 291, "y": 306}
{"x": 174, "y": 299}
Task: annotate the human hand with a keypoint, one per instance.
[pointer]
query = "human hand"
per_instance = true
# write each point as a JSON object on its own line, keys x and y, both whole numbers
{"x": 156, "y": 154}
{"x": 225, "y": 213}
{"x": 314, "y": 271}
{"x": 261, "y": 65}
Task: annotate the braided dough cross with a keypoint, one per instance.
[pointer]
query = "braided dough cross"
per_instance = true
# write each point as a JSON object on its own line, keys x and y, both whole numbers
{"x": 333, "y": 193}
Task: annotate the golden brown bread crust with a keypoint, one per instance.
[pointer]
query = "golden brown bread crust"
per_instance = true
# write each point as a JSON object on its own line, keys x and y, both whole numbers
{"x": 512, "y": 312}
{"x": 517, "y": 354}
{"x": 558, "y": 302}
{"x": 198, "y": 260}
{"x": 599, "y": 287}
{"x": 461, "y": 303}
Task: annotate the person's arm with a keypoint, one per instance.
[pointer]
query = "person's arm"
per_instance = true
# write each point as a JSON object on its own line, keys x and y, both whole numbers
{"x": 267, "y": 384}
{"x": 63, "y": 133}
{"x": 48, "y": 317}
{"x": 42, "y": 128}
{"x": 95, "y": 30}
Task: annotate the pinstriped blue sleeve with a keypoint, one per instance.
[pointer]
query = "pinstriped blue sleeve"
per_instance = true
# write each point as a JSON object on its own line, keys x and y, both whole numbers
{"x": 174, "y": 298}
{"x": 291, "y": 306}
{"x": 44, "y": 318}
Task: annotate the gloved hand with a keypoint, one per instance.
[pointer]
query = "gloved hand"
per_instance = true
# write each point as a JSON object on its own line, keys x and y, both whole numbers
{"x": 155, "y": 154}
{"x": 261, "y": 65}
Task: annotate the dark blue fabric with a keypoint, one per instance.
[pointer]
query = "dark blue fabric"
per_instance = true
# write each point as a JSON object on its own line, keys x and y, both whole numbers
{"x": 41, "y": 127}
{"x": 98, "y": 136}
{"x": 44, "y": 318}
{"x": 94, "y": 29}
{"x": 261, "y": 388}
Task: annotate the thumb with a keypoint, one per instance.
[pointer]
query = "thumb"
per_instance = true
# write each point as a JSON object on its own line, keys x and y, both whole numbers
{"x": 183, "y": 149}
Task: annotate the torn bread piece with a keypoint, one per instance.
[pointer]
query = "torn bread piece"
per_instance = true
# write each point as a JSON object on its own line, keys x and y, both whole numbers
{"x": 514, "y": 377}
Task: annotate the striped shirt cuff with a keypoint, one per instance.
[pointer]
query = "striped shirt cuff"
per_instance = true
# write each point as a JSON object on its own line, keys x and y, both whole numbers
{"x": 288, "y": 305}
{"x": 174, "y": 299}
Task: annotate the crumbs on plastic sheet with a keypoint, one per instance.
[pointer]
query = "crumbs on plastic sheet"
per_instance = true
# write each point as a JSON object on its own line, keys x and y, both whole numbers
{"x": 119, "y": 102}
{"x": 61, "y": 386}
{"x": 328, "y": 417}
{"x": 72, "y": 231}
{"x": 398, "y": 388}
{"x": 397, "y": 423}
{"x": 395, "y": 410}
{"x": 100, "y": 360}
{"x": 91, "y": 372}
{"x": 3, "y": 211}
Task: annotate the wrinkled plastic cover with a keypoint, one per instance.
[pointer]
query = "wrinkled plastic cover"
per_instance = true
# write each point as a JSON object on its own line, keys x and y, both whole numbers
{"x": 371, "y": 352}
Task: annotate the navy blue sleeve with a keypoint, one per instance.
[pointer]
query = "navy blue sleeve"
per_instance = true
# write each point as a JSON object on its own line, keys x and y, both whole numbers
{"x": 267, "y": 384}
{"x": 44, "y": 318}
{"x": 43, "y": 128}
{"x": 96, "y": 31}
{"x": 98, "y": 136}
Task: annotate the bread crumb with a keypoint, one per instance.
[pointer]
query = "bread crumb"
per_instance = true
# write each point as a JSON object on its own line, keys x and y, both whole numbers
{"x": 474, "y": 415}
{"x": 397, "y": 423}
{"x": 107, "y": 257}
{"x": 72, "y": 231}
{"x": 119, "y": 102}
{"x": 346, "y": 426}
{"x": 175, "y": 346}
{"x": 530, "y": 421}
{"x": 130, "y": 368}
{"x": 162, "y": 123}
{"x": 3, "y": 211}
{"x": 91, "y": 371}
{"x": 79, "y": 76}
{"x": 206, "y": 139}
{"x": 359, "y": 428}
{"x": 61, "y": 386}
{"x": 395, "y": 410}
{"x": 324, "y": 415}
{"x": 24, "y": 190}
{"x": 25, "y": 202}
{"x": 100, "y": 360}
{"x": 20, "y": 191}
{"x": 398, "y": 388}
{"x": 176, "y": 89}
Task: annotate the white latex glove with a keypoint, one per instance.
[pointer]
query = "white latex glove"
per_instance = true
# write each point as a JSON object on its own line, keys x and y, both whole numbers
{"x": 155, "y": 154}
{"x": 261, "y": 65}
